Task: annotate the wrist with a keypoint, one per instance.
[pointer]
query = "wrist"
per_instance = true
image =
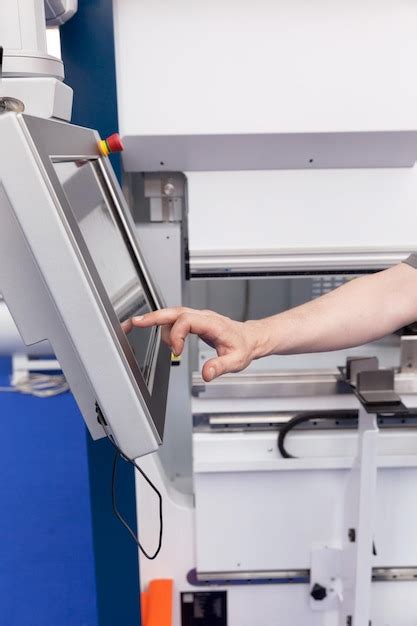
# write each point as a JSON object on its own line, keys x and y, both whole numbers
{"x": 259, "y": 337}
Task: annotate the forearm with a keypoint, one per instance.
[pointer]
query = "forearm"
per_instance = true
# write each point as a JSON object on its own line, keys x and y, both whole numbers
{"x": 362, "y": 310}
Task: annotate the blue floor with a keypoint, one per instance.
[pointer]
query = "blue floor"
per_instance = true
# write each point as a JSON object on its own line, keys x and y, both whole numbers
{"x": 46, "y": 561}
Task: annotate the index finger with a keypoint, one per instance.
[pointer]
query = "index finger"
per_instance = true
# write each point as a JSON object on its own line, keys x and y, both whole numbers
{"x": 159, "y": 318}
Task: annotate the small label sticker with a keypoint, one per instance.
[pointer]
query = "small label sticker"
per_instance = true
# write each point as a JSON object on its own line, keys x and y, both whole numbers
{"x": 204, "y": 608}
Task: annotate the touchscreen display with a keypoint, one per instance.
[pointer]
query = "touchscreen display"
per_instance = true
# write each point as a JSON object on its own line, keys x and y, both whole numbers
{"x": 111, "y": 252}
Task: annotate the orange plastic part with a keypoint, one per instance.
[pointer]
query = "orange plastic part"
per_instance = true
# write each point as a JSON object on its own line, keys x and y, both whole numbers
{"x": 143, "y": 607}
{"x": 156, "y": 603}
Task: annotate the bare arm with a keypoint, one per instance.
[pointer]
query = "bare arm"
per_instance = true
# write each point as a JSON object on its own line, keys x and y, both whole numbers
{"x": 363, "y": 310}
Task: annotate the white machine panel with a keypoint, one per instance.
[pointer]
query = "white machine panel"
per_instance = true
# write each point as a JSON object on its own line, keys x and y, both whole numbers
{"x": 260, "y": 67}
{"x": 372, "y": 209}
{"x": 252, "y": 490}
{"x": 263, "y": 84}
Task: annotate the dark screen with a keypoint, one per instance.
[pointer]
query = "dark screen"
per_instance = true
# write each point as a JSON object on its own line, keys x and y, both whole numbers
{"x": 98, "y": 221}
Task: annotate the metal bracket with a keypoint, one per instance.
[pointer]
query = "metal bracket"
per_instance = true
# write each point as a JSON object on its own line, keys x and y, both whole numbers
{"x": 157, "y": 196}
{"x": 375, "y": 390}
{"x": 326, "y": 586}
{"x": 408, "y": 353}
{"x": 359, "y": 526}
{"x": 342, "y": 578}
{"x": 354, "y": 365}
{"x": 373, "y": 387}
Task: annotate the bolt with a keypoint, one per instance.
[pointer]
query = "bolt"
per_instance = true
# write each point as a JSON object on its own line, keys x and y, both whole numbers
{"x": 11, "y": 104}
{"x": 318, "y": 592}
{"x": 169, "y": 189}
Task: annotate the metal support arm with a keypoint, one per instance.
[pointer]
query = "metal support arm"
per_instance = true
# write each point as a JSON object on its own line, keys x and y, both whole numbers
{"x": 359, "y": 526}
{"x": 341, "y": 578}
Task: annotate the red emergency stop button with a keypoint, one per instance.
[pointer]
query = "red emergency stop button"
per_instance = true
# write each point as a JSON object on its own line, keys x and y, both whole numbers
{"x": 111, "y": 144}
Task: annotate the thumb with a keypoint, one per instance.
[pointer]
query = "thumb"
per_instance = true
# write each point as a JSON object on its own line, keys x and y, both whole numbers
{"x": 220, "y": 365}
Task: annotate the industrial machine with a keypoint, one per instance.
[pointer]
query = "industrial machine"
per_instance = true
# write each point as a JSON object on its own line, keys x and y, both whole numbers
{"x": 270, "y": 154}
{"x": 279, "y": 141}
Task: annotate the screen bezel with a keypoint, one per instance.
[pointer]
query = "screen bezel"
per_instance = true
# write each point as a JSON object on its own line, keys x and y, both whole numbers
{"x": 58, "y": 141}
{"x": 103, "y": 188}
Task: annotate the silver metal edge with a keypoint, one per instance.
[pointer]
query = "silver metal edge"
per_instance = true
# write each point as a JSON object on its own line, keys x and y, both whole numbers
{"x": 379, "y": 574}
{"x": 44, "y": 158}
{"x": 258, "y": 262}
{"x": 273, "y": 384}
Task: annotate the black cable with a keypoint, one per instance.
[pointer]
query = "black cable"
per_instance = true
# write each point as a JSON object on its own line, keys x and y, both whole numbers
{"x": 119, "y": 454}
{"x": 300, "y": 418}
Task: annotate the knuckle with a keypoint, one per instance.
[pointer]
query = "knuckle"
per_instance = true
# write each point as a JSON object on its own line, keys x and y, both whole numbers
{"x": 183, "y": 319}
{"x": 241, "y": 360}
{"x": 177, "y": 312}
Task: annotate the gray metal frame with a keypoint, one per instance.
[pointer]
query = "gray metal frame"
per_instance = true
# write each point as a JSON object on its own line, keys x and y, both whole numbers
{"x": 134, "y": 413}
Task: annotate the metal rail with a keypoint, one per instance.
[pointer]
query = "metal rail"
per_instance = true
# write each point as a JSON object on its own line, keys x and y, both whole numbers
{"x": 273, "y": 384}
{"x": 264, "y": 263}
{"x": 291, "y": 576}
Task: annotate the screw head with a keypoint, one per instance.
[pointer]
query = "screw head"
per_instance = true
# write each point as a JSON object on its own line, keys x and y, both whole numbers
{"x": 169, "y": 189}
{"x": 318, "y": 592}
{"x": 11, "y": 104}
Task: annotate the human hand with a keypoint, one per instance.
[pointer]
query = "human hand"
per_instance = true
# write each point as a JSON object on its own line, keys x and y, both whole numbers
{"x": 236, "y": 343}
{"x": 127, "y": 326}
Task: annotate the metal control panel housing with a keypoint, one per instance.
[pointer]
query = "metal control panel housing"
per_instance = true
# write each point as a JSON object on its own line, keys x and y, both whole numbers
{"x": 71, "y": 272}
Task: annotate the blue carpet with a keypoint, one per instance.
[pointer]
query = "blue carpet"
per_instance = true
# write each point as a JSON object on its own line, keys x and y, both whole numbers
{"x": 46, "y": 566}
